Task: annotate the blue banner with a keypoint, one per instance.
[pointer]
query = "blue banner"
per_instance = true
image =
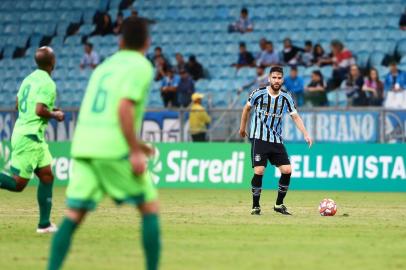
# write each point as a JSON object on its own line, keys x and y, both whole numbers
{"x": 335, "y": 126}
{"x": 7, "y": 120}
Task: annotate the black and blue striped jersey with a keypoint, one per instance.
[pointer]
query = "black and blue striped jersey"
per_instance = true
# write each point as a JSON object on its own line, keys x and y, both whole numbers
{"x": 267, "y": 117}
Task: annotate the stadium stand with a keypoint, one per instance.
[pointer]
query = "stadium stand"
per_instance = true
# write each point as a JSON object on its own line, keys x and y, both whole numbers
{"x": 368, "y": 28}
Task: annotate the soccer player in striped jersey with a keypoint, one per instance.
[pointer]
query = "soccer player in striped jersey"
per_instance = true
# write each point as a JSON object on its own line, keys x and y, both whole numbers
{"x": 269, "y": 104}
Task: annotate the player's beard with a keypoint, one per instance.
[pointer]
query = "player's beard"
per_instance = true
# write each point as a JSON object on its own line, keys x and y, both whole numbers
{"x": 276, "y": 87}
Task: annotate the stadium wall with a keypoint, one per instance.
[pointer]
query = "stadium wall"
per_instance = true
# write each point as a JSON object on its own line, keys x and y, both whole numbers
{"x": 353, "y": 167}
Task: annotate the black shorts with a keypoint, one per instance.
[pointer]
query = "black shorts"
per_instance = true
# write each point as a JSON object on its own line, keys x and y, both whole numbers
{"x": 262, "y": 151}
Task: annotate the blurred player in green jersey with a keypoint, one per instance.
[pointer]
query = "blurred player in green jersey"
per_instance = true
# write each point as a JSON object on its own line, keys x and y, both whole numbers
{"x": 30, "y": 154}
{"x": 108, "y": 158}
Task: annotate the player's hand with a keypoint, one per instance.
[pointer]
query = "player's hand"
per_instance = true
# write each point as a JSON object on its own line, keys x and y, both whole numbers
{"x": 59, "y": 116}
{"x": 138, "y": 162}
{"x": 243, "y": 133}
{"x": 309, "y": 140}
{"x": 148, "y": 149}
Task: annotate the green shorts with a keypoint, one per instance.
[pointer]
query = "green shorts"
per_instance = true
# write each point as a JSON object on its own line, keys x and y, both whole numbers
{"x": 92, "y": 179}
{"x": 27, "y": 155}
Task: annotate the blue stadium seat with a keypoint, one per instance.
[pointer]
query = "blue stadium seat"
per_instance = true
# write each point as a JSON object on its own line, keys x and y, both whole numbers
{"x": 73, "y": 40}
{"x": 337, "y": 98}
{"x": 57, "y": 41}
{"x": 401, "y": 48}
{"x": 35, "y": 40}
{"x": 362, "y": 59}
{"x": 376, "y": 58}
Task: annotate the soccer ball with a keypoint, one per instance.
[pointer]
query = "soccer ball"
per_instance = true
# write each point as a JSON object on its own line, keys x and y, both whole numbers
{"x": 327, "y": 207}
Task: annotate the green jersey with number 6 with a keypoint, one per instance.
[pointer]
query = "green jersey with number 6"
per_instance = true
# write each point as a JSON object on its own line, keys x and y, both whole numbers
{"x": 38, "y": 87}
{"x": 125, "y": 75}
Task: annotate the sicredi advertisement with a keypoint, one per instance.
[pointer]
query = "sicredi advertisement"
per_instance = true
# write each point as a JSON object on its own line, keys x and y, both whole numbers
{"x": 367, "y": 167}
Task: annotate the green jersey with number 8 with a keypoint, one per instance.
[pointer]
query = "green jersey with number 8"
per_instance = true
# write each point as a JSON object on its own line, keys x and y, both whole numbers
{"x": 38, "y": 87}
{"x": 125, "y": 75}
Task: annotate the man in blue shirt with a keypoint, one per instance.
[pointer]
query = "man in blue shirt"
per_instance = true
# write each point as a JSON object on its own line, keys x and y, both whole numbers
{"x": 169, "y": 89}
{"x": 243, "y": 24}
{"x": 245, "y": 58}
{"x": 269, "y": 57}
{"x": 270, "y": 103}
{"x": 186, "y": 88}
{"x": 295, "y": 85}
{"x": 396, "y": 79}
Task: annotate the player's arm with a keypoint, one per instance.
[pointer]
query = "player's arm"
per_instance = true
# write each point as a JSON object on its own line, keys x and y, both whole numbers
{"x": 43, "y": 111}
{"x": 126, "y": 117}
{"x": 244, "y": 119}
{"x": 299, "y": 124}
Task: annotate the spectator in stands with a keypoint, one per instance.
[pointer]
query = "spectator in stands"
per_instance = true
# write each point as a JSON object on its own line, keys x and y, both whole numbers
{"x": 395, "y": 80}
{"x": 90, "y": 58}
{"x": 270, "y": 57}
{"x": 341, "y": 60}
{"x": 316, "y": 91}
{"x": 198, "y": 119}
{"x": 161, "y": 68}
{"x": 290, "y": 53}
{"x": 245, "y": 58}
{"x": 262, "y": 49}
{"x": 353, "y": 88}
{"x": 103, "y": 26}
{"x": 319, "y": 55}
{"x": 180, "y": 63}
{"x": 157, "y": 55}
{"x": 186, "y": 88}
{"x": 243, "y": 24}
{"x": 373, "y": 88}
{"x": 134, "y": 13}
{"x": 295, "y": 85}
{"x": 169, "y": 89}
{"x": 402, "y": 21}
{"x": 307, "y": 54}
{"x": 194, "y": 68}
{"x": 260, "y": 81}
{"x": 118, "y": 23}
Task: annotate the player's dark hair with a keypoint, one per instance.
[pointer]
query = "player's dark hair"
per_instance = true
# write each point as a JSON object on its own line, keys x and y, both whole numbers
{"x": 276, "y": 69}
{"x": 135, "y": 32}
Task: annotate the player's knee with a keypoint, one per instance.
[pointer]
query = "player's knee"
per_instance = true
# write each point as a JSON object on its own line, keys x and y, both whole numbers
{"x": 76, "y": 216}
{"x": 286, "y": 170}
{"x": 20, "y": 186}
{"x": 47, "y": 178}
{"x": 259, "y": 170}
{"x": 149, "y": 208}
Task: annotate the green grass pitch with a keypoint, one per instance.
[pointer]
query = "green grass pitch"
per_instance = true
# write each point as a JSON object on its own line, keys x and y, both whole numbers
{"x": 212, "y": 229}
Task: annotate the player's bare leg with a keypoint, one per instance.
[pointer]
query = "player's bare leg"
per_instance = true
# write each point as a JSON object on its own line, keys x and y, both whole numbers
{"x": 151, "y": 239}
{"x": 62, "y": 239}
{"x": 284, "y": 181}
{"x": 44, "y": 198}
{"x": 256, "y": 188}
